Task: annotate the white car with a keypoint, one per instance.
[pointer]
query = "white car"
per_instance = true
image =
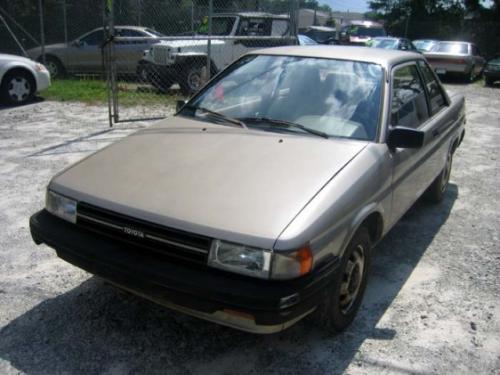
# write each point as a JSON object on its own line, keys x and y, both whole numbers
{"x": 21, "y": 78}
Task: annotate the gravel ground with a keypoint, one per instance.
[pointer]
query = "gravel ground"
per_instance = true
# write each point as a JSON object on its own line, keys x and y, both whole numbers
{"x": 432, "y": 304}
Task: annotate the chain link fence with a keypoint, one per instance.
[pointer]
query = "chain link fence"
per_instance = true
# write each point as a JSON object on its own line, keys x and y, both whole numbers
{"x": 173, "y": 51}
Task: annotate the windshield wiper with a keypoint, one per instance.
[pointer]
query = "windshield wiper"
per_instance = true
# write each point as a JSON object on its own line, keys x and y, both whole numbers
{"x": 286, "y": 124}
{"x": 217, "y": 115}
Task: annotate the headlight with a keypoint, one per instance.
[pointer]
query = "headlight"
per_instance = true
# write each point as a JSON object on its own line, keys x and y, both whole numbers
{"x": 261, "y": 263}
{"x": 60, "y": 206}
{"x": 240, "y": 259}
{"x": 40, "y": 68}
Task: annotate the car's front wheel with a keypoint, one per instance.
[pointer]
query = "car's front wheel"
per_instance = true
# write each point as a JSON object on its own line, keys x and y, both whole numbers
{"x": 343, "y": 300}
{"x": 193, "y": 79}
{"x": 18, "y": 87}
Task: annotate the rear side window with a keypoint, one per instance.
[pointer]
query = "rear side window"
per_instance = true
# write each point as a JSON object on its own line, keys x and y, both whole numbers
{"x": 436, "y": 96}
{"x": 409, "y": 104}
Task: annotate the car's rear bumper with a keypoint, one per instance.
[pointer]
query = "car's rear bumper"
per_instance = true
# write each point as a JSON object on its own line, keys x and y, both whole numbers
{"x": 254, "y": 305}
{"x": 490, "y": 74}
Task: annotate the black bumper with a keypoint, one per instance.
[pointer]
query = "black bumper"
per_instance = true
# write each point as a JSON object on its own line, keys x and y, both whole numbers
{"x": 194, "y": 287}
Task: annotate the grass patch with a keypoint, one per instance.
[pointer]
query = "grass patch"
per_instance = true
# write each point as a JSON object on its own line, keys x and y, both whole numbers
{"x": 92, "y": 91}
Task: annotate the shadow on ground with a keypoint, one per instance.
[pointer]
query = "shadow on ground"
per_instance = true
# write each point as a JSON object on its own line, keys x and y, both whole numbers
{"x": 94, "y": 328}
{"x": 35, "y": 100}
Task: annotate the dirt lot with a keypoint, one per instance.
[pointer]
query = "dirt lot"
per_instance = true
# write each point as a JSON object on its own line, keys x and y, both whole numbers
{"x": 432, "y": 305}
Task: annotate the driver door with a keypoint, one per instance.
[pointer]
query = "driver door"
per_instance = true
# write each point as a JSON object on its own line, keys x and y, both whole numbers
{"x": 84, "y": 55}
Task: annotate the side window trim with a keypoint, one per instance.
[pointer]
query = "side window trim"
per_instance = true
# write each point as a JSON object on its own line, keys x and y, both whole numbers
{"x": 391, "y": 89}
{"x": 440, "y": 87}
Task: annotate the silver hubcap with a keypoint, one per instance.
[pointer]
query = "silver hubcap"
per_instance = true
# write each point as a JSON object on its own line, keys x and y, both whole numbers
{"x": 352, "y": 278}
{"x": 19, "y": 89}
{"x": 52, "y": 68}
{"x": 446, "y": 173}
{"x": 194, "y": 79}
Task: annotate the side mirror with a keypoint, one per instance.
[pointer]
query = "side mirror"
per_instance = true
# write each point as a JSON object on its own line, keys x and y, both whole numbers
{"x": 402, "y": 137}
{"x": 77, "y": 43}
{"x": 179, "y": 104}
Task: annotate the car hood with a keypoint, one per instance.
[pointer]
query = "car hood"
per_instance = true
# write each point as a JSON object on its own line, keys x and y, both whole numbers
{"x": 48, "y": 48}
{"x": 221, "y": 181}
{"x": 185, "y": 43}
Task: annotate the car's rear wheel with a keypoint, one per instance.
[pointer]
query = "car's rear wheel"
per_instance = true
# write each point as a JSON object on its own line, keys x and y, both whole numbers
{"x": 472, "y": 74}
{"x": 344, "y": 298}
{"x": 435, "y": 192}
{"x": 488, "y": 81}
{"x": 18, "y": 87}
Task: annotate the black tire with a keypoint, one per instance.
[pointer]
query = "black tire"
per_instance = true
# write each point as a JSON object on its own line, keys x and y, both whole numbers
{"x": 18, "y": 87}
{"x": 192, "y": 79}
{"x": 54, "y": 66}
{"x": 436, "y": 191}
{"x": 488, "y": 81}
{"x": 471, "y": 77}
{"x": 343, "y": 300}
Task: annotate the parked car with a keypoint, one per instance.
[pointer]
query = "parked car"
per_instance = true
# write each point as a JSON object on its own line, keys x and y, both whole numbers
{"x": 184, "y": 61}
{"x": 21, "y": 78}
{"x": 360, "y": 32}
{"x": 84, "y": 54}
{"x": 402, "y": 44}
{"x": 304, "y": 40}
{"x": 460, "y": 58}
{"x": 425, "y": 45}
{"x": 260, "y": 201}
{"x": 492, "y": 71}
{"x": 321, "y": 34}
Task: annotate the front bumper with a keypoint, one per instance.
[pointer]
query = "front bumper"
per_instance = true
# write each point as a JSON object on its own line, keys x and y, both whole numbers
{"x": 248, "y": 304}
{"x": 42, "y": 80}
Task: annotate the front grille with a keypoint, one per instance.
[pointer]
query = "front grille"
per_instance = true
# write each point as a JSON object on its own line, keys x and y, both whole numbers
{"x": 145, "y": 235}
{"x": 160, "y": 55}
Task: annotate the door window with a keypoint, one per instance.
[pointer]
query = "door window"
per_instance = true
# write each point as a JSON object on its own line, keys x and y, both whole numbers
{"x": 93, "y": 39}
{"x": 436, "y": 96}
{"x": 409, "y": 104}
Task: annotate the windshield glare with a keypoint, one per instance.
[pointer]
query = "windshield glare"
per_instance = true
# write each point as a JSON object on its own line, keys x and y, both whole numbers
{"x": 385, "y": 43}
{"x": 337, "y": 97}
{"x": 459, "y": 48}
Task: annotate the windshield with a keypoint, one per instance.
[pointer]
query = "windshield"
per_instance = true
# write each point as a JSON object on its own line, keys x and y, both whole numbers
{"x": 220, "y": 26}
{"x": 385, "y": 43}
{"x": 336, "y": 97}
{"x": 154, "y": 32}
{"x": 305, "y": 40}
{"x": 447, "y": 47}
{"x": 366, "y": 31}
{"x": 424, "y": 45}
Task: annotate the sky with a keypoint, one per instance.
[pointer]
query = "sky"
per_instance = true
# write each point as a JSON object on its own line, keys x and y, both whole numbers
{"x": 344, "y": 5}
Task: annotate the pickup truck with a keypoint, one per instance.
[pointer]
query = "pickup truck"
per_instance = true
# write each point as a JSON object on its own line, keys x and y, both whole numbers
{"x": 261, "y": 201}
{"x": 184, "y": 60}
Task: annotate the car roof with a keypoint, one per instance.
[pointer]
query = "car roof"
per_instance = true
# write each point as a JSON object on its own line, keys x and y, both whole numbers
{"x": 384, "y": 57}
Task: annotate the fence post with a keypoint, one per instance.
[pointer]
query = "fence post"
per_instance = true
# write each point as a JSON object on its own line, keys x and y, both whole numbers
{"x": 42, "y": 29}
{"x": 65, "y": 23}
{"x": 209, "y": 44}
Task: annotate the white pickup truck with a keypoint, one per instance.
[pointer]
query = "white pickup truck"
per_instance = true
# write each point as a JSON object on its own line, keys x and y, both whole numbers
{"x": 184, "y": 59}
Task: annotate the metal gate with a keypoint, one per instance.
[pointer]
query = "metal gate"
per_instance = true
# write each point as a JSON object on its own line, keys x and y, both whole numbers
{"x": 171, "y": 52}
